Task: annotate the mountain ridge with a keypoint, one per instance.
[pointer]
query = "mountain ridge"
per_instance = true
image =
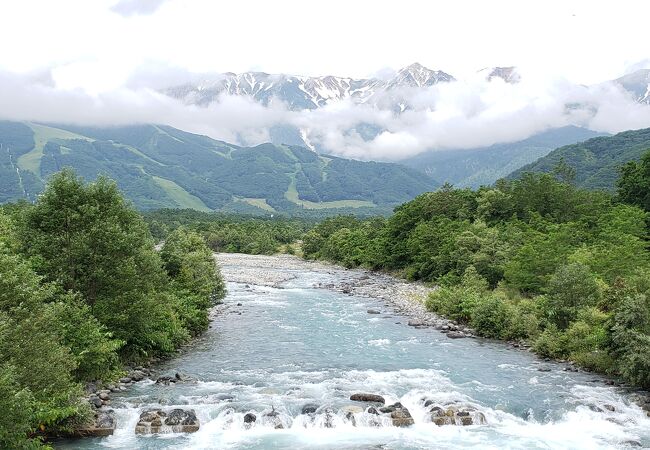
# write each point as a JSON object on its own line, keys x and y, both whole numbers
{"x": 160, "y": 166}
{"x": 596, "y": 161}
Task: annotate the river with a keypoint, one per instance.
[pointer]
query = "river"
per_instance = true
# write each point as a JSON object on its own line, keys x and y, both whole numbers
{"x": 294, "y": 342}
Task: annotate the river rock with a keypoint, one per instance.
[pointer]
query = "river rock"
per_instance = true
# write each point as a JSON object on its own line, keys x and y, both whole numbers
{"x": 401, "y": 416}
{"x": 363, "y": 397}
{"x": 456, "y": 335}
{"x": 166, "y": 381}
{"x": 273, "y": 417}
{"x": 250, "y": 418}
{"x": 95, "y": 401}
{"x": 176, "y": 421}
{"x": 416, "y": 323}
{"x": 125, "y": 380}
{"x": 103, "y": 396}
{"x": 103, "y": 424}
{"x": 452, "y": 415}
{"x": 137, "y": 375}
{"x": 373, "y": 311}
{"x": 309, "y": 408}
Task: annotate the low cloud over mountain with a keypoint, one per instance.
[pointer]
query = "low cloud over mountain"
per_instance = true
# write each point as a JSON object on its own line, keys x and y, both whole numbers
{"x": 412, "y": 111}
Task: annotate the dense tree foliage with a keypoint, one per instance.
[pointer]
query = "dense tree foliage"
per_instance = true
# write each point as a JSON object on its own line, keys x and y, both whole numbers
{"x": 634, "y": 182}
{"x": 81, "y": 291}
{"x": 533, "y": 259}
{"x": 233, "y": 234}
{"x": 596, "y": 161}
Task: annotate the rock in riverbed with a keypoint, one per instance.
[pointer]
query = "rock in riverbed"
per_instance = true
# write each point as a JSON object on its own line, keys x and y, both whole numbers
{"x": 363, "y": 397}
{"x": 453, "y": 415}
{"x": 176, "y": 421}
{"x": 309, "y": 408}
{"x": 400, "y": 415}
{"x": 103, "y": 425}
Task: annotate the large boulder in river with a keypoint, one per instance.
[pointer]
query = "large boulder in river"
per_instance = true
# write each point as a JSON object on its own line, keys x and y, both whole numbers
{"x": 400, "y": 416}
{"x": 453, "y": 415}
{"x": 103, "y": 424}
{"x": 176, "y": 421}
{"x": 363, "y": 397}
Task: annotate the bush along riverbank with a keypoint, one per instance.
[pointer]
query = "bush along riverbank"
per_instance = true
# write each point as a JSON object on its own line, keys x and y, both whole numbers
{"x": 533, "y": 260}
{"x": 82, "y": 294}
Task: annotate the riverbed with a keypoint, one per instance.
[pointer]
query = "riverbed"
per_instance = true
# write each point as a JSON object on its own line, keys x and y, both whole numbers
{"x": 292, "y": 333}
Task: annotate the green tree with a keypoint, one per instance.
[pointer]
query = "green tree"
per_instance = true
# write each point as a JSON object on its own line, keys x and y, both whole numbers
{"x": 88, "y": 239}
{"x": 571, "y": 288}
{"x": 196, "y": 281}
{"x": 634, "y": 182}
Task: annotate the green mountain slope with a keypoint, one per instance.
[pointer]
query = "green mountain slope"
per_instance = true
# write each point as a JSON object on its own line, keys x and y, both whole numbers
{"x": 160, "y": 166}
{"x": 483, "y": 166}
{"x": 596, "y": 161}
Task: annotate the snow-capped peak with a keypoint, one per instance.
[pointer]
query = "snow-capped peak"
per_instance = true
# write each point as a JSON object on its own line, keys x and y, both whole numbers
{"x": 304, "y": 92}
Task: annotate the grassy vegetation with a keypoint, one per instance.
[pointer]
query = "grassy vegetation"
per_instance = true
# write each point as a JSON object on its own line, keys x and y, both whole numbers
{"x": 293, "y": 196}
{"x": 42, "y": 135}
{"x": 182, "y": 198}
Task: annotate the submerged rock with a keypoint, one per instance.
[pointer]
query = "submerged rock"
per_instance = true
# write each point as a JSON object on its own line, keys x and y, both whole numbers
{"x": 309, "y": 408}
{"x": 176, "y": 421}
{"x": 373, "y": 311}
{"x": 250, "y": 418}
{"x": 363, "y": 397}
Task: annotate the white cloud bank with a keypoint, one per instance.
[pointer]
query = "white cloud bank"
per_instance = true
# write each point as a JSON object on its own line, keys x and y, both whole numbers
{"x": 464, "y": 114}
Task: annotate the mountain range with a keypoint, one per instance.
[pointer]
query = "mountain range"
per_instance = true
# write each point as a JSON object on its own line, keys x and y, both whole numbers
{"x": 159, "y": 166}
{"x": 300, "y": 92}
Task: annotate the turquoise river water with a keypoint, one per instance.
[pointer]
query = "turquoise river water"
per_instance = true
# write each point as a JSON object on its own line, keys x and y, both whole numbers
{"x": 296, "y": 344}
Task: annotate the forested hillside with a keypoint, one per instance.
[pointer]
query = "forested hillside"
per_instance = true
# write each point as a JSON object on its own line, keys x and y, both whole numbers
{"x": 533, "y": 259}
{"x": 483, "y": 166}
{"x": 596, "y": 162}
{"x": 162, "y": 167}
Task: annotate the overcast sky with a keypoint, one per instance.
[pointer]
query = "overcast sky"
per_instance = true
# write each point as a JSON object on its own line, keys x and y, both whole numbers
{"x": 98, "y": 61}
{"x": 96, "y": 44}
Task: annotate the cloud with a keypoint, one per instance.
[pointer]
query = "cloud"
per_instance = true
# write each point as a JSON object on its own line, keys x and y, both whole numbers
{"x": 464, "y": 114}
{"x": 129, "y": 8}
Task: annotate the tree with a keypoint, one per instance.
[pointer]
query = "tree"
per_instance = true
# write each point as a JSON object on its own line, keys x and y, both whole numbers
{"x": 634, "y": 182}
{"x": 571, "y": 287}
{"x": 89, "y": 240}
{"x": 196, "y": 282}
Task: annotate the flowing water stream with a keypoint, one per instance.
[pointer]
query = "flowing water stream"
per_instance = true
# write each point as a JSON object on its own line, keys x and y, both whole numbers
{"x": 295, "y": 344}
